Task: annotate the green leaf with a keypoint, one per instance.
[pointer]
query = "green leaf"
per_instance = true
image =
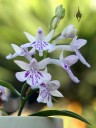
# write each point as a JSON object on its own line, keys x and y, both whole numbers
{"x": 60, "y": 113}
{"x": 9, "y": 86}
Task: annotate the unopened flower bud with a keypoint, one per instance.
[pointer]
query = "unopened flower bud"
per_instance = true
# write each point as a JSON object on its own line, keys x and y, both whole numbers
{"x": 60, "y": 12}
{"x": 69, "y": 32}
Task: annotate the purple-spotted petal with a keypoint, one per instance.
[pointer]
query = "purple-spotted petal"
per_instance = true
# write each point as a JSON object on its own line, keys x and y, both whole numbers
{"x": 36, "y": 78}
{"x": 74, "y": 78}
{"x": 81, "y": 58}
{"x": 40, "y": 45}
{"x": 70, "y": 60}
{"x": 22, "y": 76}
{"x": 44, "y": 96}
{"x": 46, "y": 76}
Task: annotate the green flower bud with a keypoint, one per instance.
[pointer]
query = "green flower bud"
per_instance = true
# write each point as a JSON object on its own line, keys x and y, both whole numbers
{"x": 60, "y": 12}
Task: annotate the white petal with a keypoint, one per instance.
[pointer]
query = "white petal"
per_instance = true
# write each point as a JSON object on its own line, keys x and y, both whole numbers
{"x": 10, "y": 56}
{"x": 70, "y": 60}
{"x": 26, "y": 45}
{"x": 54, "y": 85}
{"x": 21, "y": 76}
{"x": 33, "y": 85}
{"x": 43, "y": 63}
{"x": 32, "y": 51}
{"x": 60, "y": 47}
{"x": 49, "y": 36}
{"x": 75, "y": 79}
{"x": 45, "y": 97}
{"x": 16, "y": 48}
{"x": 30, "y": 37}
{"x": 56, "y": 61}
{"x": 22, "y": 64}
{"x": 56, "y": 93}
{"x": 81, "y": 58}
{"x": 77, "y": 44}
{"x": 45, "y": 76}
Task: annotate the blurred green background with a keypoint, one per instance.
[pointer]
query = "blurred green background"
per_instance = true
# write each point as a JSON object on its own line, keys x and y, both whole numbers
{"x": 27, "y": 15}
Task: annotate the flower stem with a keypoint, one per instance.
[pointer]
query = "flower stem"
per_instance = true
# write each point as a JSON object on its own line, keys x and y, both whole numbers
{"x": 23, "y": 99}
{"x": 21, "y": 106}
{"x": 56, "y": 36}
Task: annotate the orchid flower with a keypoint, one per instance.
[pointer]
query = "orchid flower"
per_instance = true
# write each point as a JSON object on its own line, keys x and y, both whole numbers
{"x": 77, "y": 44}
{"x": 2, "y": 94}
{"x": 40, "y": 42}
{"x": 32, "y": 74}
{"x": 68, "y": 32}
{"x": 19, "y": 51}
{"x": 65, "y": 63}
{"x": 48, "y": 89}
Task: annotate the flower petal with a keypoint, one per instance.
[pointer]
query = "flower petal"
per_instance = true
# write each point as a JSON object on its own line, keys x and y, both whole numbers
{"x": 56, "y": 93}
{"x": 30, "y": 37}
{"x": 37, "y": 78}
{"x": 16, "y": 48}
{"x": 45, "y": 76}
{"x": 22, "y": 64}
{"x": 81, "y": 58}
{"x": 74, "y": 78}
{"x": 22, "y": 76}
{"x": 49, "y": 36}
{"x": 54, "y": 85}
{"x": 70, "y": 60}
{"x": 43, "y": 63}
{"x": 45, "y": 97}
{"x": 77, "y": 43}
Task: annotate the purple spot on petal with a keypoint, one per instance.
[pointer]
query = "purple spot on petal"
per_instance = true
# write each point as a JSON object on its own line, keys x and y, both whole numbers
{"x": 45, "y": 43}
{"x": 65, "y": 66}
{"x": 33, "y": 43}
{"x": 40, "y": 32}
{"x": 43, "y": 85}
{"x": 40, "y": 74}
{"x": 27, "y": 73}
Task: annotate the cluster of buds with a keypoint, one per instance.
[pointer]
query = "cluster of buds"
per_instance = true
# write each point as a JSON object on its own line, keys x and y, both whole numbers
{"x": 35, "y": 73}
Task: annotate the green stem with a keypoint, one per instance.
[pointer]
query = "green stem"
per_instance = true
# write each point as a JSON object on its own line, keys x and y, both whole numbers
{"x": 22, "y": 104}
{"x": 23, "y": 99}
{"x": 56, "y": 36}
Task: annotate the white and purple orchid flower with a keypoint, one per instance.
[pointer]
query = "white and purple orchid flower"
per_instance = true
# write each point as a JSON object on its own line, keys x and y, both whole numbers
{"x": 40, "y": 42}
{"x": 19, "y": 51}
{"x": 3, "y": 96}
{"x": 47, "y": 90}
{"x": 65, "y": 63}
{"x": 32, "y": 74}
